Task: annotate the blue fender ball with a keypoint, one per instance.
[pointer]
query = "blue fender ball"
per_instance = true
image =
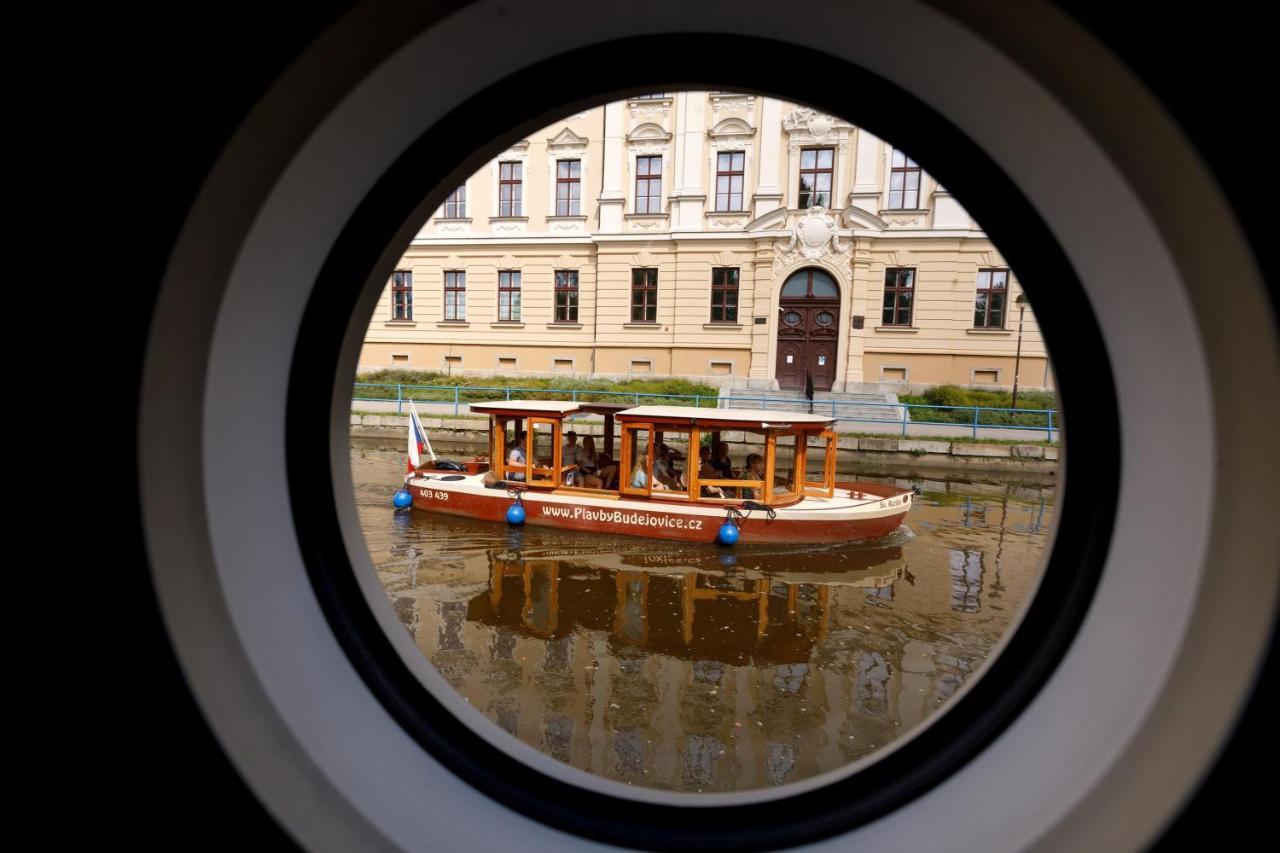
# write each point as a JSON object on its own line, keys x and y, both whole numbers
{"x": 402, "y": 499}
{"x": 728, "y": 534}
{"x": 515, "y": 514}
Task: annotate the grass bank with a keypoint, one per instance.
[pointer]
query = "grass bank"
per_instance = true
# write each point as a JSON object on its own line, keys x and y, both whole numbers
{"x": 951, "y": 395}
{"x": 478, "y": 388}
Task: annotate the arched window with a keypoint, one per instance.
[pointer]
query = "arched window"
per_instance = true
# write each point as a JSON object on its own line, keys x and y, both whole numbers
{"x": 810, "y": 283}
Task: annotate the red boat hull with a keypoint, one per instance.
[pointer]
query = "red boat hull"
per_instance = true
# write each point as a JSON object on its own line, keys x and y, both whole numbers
{"x": 654, "y": 520}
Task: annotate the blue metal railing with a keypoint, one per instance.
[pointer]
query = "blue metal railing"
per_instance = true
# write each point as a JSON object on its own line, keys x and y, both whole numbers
{"x": 974, "y": 419}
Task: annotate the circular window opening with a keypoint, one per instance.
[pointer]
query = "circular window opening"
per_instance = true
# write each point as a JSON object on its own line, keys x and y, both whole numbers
{"x": 827, "y": 802}
{"x": 643, "y": 578}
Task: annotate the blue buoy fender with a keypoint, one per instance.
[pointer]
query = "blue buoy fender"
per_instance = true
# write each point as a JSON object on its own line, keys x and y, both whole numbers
{"x": 515, "y": 513}
{"x": 402, "y": 499}
{"x": 728, "y": 534}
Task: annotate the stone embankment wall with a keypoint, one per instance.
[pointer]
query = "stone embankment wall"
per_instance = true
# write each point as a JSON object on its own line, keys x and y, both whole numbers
{"x": 470, "y": 435}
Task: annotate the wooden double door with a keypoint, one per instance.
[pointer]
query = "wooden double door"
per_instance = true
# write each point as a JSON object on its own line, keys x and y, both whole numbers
{"x": 808, "y": 333}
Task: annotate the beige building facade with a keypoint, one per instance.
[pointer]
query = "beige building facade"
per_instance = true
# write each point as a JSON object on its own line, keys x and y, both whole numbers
{"x": 730, "y": 238}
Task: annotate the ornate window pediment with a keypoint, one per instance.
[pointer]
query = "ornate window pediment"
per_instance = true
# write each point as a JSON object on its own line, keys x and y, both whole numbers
{"x": 648, "y": 133}
{"x": 732, "y": 130}
{"x": 566, "y": 140}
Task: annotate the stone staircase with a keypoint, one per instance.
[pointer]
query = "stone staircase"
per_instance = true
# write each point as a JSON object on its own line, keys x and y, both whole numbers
{"x": 850, "y": 408}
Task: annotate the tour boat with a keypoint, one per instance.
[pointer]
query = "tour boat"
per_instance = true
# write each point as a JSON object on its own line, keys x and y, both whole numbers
{"x": 658, "y": 493}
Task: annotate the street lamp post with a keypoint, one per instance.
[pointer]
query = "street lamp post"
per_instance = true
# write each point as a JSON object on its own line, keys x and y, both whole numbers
{"x": 1021, "y": 302}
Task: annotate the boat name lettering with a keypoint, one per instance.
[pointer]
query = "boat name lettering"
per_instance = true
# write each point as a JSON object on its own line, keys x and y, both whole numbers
{"x": 618, "y": 516}
{"x": 434, "y": 493}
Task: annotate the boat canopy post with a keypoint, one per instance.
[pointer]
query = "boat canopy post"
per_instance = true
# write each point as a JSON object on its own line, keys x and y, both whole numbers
{"x": 608, "y": 435}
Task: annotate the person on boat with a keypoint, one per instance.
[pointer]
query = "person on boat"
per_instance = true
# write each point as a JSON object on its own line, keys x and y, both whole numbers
{"x": 516, "y": 457}
{"x": 638, "y": 475}
{"x": 753, "y": 471}
{"x": 707, "y": 472}
{"x": 585, "y": 459}
{"x": 571, "y": 453}
{"x": 664, "y": 469}
{"x": 721, "y": 461}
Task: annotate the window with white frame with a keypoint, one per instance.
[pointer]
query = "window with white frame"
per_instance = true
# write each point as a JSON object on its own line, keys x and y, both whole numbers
{"x": 568, "y": 187}
{"x": 904, "y": 183}
{"x": 988, "y": 306}
{"x": 455, "y": 206}
{"x": 510, "y": 189}
{"x": 649, "y": 184}
{"x": 402, "y": 295}
{"x": 509, "y": 296}
{"x": 729, "y": 172}
{"x": 455, "y": 295}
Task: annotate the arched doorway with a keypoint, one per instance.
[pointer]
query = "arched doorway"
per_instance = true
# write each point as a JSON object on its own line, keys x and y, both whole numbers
{"x": 808, "y": 329}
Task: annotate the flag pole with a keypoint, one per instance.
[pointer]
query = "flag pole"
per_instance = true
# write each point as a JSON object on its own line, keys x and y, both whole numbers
{"x": 423, "y": 429}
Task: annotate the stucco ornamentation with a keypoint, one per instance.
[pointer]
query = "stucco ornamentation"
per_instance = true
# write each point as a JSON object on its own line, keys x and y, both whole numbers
{"x": 814, "y": 235}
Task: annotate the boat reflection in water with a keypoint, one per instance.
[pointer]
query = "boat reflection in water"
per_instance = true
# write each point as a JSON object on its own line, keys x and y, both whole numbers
{"x": 696, "y": 668}
{"x": 692, "y": 673}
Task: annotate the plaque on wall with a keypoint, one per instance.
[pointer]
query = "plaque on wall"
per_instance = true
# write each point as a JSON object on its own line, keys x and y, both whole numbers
{"x": 858, "y": 320}
{"x": 760, "y": 321}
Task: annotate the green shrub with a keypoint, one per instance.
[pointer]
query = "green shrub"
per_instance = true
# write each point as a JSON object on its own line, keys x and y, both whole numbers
{"x": 952, "y": 395}
{"x": 476, "y": 389}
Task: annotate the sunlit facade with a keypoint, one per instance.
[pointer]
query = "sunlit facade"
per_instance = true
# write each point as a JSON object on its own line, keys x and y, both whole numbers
{"x": 730, "y": 238}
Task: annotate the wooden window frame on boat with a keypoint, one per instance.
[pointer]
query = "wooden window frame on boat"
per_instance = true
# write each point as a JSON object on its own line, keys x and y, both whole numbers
{"x": 627, "y": 462}
{"x": 826, "y": 488}
{"x": 549, "y": 477}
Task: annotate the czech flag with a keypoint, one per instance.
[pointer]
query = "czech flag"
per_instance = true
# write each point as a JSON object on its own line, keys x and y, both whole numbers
{"x": 417, "y": 441}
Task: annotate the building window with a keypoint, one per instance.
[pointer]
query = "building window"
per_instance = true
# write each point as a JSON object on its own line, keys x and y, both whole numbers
{"x": 566, "y": 296}
{"x": 455, "y": 206}
{"x": 815, "y": 176}
{"x": 455, "y": 295}
{"x": 724, "y": 295}
{"x": 644, "y": 296}
{"x": 988, "y": 309}
{"x": 509, "y": 296}
{"x": 402, "y": 295}
{"x": 899, "y": 294}
{"x": 648, "y": 185}
{"x": 729, "y": 180}
{"x": 904, "y": 183}
{"x": 568, "y": 187}
{"x": 651, "y": 96}
{"x": 510, "y": 189}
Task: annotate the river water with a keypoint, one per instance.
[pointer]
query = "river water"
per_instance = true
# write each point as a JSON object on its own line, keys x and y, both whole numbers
{"x": 696, "y": 668}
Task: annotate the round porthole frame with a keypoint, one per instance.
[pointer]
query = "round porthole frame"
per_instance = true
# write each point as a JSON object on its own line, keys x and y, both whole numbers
{"x": 239, "y": 621}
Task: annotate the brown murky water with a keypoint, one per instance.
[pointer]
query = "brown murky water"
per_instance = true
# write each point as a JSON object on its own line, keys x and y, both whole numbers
{"x": 697, "y": 668}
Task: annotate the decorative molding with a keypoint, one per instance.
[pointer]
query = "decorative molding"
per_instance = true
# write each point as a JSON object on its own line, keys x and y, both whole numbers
{"x": 566, "y": 140}
{"x": 857, "y": 217}
{"x": 814, "y": 235}
{"x": 774, "y": 220}
{"x": 730, "y": 133}
{"x": 816, "y": 126}
{"x": 728, "y": 220}
{"x": 645, "y": 259}
{"x": 650, "y": 108}
{"x": 568, "y": 262}
{"x": 507, "y": 262}
{"x": 732, "y": 102}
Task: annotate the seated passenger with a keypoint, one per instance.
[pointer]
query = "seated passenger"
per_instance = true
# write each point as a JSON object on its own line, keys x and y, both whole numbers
{"x": 638, "y": 476}
{"x": 753, "y": 471}
{"x": 721, "y": 462}
{"x": 516, "y": 458}
{"x": 664, "y": 470}
{"x": 585, "y": 458}
{"x": 706, "y": 472}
